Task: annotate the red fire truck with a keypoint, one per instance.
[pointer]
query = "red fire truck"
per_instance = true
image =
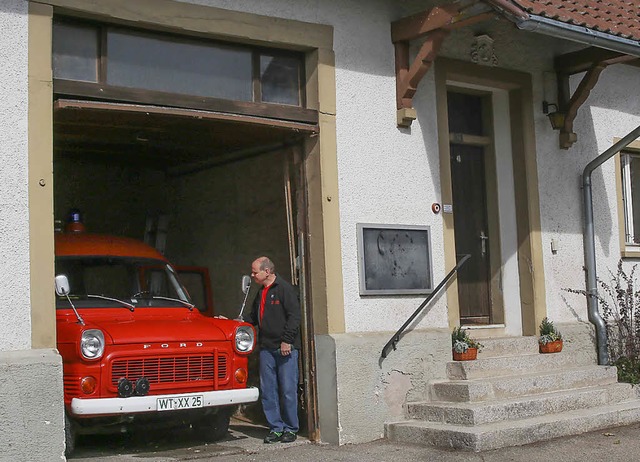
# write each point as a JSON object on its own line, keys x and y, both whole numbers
{"x": 135, "y": 350}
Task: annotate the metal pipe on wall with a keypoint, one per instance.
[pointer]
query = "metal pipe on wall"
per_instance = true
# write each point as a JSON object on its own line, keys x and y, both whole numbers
{"x": 590, "y": 244}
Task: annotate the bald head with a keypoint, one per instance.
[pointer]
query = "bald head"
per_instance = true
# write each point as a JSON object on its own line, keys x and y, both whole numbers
{"x": 263, "y": 271}
{"x": 265, "y": 263}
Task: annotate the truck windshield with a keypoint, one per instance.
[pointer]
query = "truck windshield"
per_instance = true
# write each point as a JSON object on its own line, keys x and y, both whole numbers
{"x": 137, "y": 281}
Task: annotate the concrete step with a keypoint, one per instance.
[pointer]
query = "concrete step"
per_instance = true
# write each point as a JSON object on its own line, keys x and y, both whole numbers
{"x": 507, "y": 346}
{"x": 509, "y": 365}
{"x": 522, "y": 384}
{"x": 522, "y": 407}
{"x": 513, "y": 432}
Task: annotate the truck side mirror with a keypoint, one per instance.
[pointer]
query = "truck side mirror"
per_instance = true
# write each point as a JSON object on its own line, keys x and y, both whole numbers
{"x": 246, "y": 283}
{"x": 62, "y": 285}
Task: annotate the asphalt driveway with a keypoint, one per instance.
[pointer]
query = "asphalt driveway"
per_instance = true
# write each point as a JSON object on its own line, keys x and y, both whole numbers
{"x": 244, "y": 444}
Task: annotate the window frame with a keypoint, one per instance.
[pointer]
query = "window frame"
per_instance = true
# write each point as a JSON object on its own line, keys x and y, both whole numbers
{"x": 256, "y": 107}
{"x": 626, "y": 207}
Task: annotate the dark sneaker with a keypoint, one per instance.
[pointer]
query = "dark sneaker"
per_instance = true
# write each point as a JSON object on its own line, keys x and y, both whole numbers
{"x": 273, "y": 437}
{"x": 288, "y": 437}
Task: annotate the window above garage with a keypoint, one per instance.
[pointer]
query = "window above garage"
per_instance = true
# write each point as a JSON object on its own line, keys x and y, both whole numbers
{"x": 124, "y": 64}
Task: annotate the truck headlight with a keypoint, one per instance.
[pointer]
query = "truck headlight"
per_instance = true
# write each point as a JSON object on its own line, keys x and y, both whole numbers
{"x": 92, "y": 344}
{"x": 245, "y": 338}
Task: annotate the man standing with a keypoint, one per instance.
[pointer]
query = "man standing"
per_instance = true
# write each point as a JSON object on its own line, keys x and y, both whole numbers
{"x": 276, "y": 312}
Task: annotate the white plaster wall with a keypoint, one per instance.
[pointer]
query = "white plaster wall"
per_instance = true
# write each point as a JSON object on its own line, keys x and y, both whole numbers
{"x": 391, "y": 175}
{"x": 15, "y": 311}
{"x": 386, "y": 175}
{"x": 612, "y": 111}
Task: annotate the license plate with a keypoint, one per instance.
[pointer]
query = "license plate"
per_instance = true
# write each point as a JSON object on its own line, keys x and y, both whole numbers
{"x": 179, "y": 402}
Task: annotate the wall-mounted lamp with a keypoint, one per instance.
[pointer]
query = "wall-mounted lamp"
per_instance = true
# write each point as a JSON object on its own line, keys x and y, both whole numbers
{"x": 556, "y": 117}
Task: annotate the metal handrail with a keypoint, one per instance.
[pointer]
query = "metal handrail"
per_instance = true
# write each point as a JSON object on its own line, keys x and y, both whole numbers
{"x": 396, "y": 337}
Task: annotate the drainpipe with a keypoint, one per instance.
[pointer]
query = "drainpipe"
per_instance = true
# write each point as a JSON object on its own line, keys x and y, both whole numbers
{"x": 590, "y": 244}
{"x": 579, "y": 34}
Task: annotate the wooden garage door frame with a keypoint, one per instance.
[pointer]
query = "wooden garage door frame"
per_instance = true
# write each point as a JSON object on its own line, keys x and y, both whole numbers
{"x": 315, "y": 40}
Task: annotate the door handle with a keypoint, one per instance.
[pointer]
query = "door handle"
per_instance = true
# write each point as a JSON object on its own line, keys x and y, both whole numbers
{"x": 483, "y": 242}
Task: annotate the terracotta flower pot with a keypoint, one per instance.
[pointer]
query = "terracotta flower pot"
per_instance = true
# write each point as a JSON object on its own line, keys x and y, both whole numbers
{"x": 469, "y": 355}
{"x": 551, "y": 347}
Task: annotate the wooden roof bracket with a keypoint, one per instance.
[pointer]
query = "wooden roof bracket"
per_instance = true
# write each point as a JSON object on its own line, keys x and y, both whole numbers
{"x": 408, "y": 77}
{"x": 592, "y": 61}
{"x": 569, "y": 106}
{"x": 434, "y": 24}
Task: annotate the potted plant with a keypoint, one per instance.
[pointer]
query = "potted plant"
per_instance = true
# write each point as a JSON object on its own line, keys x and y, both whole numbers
{"x": 550, "y": 340}
{"x": 464, "y": 347}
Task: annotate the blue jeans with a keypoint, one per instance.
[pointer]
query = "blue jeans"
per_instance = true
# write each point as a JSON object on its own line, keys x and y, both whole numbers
{"x": 279, "y": 389}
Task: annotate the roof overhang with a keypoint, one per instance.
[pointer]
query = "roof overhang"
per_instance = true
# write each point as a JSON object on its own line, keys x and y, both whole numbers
{"x": 435, "y": 24}
{"x": 579, "y": 34}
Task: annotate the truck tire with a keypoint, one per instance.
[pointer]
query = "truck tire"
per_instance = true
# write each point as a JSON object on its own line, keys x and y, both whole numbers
{"x": 213, "y": 427}
{"x": 70, "y": 435}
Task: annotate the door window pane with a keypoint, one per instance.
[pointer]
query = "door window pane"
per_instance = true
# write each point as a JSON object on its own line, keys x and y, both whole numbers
{"x": 187, "y": 66}
{"x": 465, "y": 113}
{"x": 279, "y": 76}
{"x": 75, "y": 52}
{"x": 631, "y": 197}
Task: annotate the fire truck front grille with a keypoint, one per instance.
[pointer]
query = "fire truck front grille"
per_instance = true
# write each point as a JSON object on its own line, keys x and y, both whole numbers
{"x": 71, "y": 385}
{"x": 176, "y": 369}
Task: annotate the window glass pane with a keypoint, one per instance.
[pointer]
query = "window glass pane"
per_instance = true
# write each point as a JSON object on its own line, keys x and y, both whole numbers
{"x": 279, "y": 76}
{"x": 75, "y": 52}
{"x": 91, "y": 279}
{"x": 186, "y": 66}
{"x": 465, "y": 113}
{"x": 635, "y": 197}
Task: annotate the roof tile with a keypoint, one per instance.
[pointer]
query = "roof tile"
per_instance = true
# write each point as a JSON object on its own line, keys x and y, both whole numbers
{"x": 616, "y": 17}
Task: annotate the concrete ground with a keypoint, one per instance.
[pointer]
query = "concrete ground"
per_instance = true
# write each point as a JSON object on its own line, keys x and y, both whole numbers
{"x": 244, "y": 444}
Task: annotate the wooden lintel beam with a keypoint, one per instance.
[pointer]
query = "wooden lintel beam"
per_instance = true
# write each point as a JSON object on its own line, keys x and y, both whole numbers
{"x": 419, "y": 25}
{"x": 585, "y": 59}
{"x": 407, "y": 84}
{"x": 570, "y": 109}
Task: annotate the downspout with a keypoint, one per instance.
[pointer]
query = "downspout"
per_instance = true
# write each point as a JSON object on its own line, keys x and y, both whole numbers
{"x": 590, "y": 244}
{"x": 578, "y": 34}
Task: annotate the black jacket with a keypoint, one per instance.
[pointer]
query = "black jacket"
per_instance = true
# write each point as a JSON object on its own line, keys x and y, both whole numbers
{"x": 281, "y": 319}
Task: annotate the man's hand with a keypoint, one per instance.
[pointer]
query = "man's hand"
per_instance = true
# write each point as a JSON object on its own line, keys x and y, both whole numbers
{"x": 285, "y": 349}
{"x": 219, "y": 316}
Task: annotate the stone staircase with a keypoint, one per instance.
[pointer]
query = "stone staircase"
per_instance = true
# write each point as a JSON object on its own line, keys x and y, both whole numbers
{"x": 512, "y": 395}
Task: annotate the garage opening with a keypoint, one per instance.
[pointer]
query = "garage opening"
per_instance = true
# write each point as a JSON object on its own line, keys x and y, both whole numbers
{"x": 211, "y": 182}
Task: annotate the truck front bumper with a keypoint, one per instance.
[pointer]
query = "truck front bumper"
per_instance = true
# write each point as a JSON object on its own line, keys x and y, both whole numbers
{"x": 136, "y": 404}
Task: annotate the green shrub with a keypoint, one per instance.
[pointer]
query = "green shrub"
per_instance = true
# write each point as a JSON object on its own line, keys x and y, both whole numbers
{"x": 619, "y": 304}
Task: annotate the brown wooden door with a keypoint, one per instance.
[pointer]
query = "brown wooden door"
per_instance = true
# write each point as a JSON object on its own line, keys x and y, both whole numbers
{"x": 471, "y": 232}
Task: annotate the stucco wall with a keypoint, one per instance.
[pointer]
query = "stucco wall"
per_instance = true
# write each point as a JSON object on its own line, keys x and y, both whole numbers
{"x": 386, "y": 175}
{"x": 391, "y": 175}
{"x": 612, "y": 111}
{"x": 15, "y": 331}
{"x": 31, "y": 417}
{"x": 359, "y": 392}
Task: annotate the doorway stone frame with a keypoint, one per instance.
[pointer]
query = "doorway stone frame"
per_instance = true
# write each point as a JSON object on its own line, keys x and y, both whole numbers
{"x": 324, "y": 256}
{"x": 530, "y": 255}
{"x": 316, "y": 40}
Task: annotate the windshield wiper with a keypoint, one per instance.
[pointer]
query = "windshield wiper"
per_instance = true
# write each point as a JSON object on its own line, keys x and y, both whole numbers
{"x": 187, "y": 304}
{"x": 102, "y": 297}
